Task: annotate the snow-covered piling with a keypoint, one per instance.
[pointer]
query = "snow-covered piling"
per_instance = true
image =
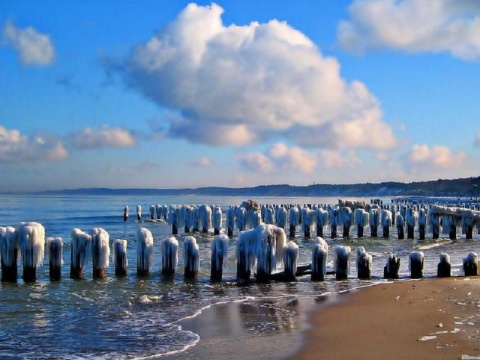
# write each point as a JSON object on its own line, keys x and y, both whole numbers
{"x": 230, "y": 221}
{"x": 31, "y": 237}
{"x": 290, "y": 261}
{"x": 217, "y": 220}
{"x": 444, "y": 268}
{"x": 364, "y": 263}
{"x": 362, "y": 220}
{"x": 386, "y": 223}
{"x": 54, "y": 252}
{"x": 9, "y": 254}
{"x": 470, "y": 264}
{"x": 346, "y": 217}
{"x": 319, "y": 259}
{"x": 100, "y": 252}
{"x": 322, "y": 220}
{"x": 205, "y": 218}
{"x": 411, "y": 218}
{"x": 120, "y": 258}
{"x": 400, "y": 223}
{"x": 191, "y": 257}
{"x": 153, "y": 212}
{"x": 244, "y": 256}
{"x": 422, "y": 223}
{"x": 139, "y": 212}
{"x": 374, "y": 215}
{"x": 293, "y": 220}
{"x": 342, "y": 262}
{"x": 309, "y": 220}
{"x": 125, "y": 213}
{"x": 169, "y": 251}
{"x": 416, "y": 264}
{"x": 219, "y": 257}
{"x": 390, "y": 271}
{"x": 144, "y": 251}
{"x": 80, "y": 246}
{"x": 334, "y": 219}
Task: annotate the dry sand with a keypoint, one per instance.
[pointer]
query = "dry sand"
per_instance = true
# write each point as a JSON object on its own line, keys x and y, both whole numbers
{"x": 423, "y": 319}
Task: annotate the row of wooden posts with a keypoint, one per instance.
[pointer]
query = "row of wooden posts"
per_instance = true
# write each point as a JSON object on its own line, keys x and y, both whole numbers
{"x": 316, "y": 269}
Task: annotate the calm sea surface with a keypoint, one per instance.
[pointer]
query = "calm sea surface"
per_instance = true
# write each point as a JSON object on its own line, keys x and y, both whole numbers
{"x": 132, "y": 317}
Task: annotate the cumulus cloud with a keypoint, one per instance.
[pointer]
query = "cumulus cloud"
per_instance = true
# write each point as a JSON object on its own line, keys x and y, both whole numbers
{"x": 451, "y": 26}
{"x": 437, "y": 156}
{"x": 338, "y": 159}
{"x": 279, "y": 157}
{"x": 102, "y": 137}
{"x": 18, "y": 149}
{"x": 33, "y": 47}
{"x": 247, "y": 84}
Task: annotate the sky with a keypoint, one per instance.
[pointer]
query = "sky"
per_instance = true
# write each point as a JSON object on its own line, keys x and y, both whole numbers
{"x": 172, "y": 94}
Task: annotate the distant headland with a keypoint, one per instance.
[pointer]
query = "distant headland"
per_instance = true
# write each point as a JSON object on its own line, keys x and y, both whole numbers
{"x": 466, "y": 187}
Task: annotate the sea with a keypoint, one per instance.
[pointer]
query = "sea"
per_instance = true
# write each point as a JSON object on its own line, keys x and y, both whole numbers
{"x": 135, "y": 317}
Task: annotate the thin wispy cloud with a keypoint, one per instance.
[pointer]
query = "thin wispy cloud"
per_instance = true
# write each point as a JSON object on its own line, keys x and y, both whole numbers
{"x": 33, "y": 47}
{"x": 202, "y": 162}
{"x": 247, "y": 84}
{"x": 451, "y": 26}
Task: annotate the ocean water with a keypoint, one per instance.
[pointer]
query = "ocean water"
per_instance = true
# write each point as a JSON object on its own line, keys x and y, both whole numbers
{"x": 132, "y": 317}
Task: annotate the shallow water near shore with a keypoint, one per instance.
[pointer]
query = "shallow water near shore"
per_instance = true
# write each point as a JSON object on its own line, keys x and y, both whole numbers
{"x": 150, "y": 317}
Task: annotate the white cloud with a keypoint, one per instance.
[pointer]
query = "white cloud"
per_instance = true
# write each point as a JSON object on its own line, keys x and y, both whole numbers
{"x": 238, "y": 85}
{"x": 105, "y": 136}
{"x": 436, "y": 156}
{"x": 202, "y": 162}
{"x": 338, "y": 159}
{"x": 451, "y": 26}
{"x": 33, "y": 48}
{"x": 17, "y": 149}
{"x": 279, "y": 157}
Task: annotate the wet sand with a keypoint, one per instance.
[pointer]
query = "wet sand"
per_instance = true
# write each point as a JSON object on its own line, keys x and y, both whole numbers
{"x": 415, "y": 319}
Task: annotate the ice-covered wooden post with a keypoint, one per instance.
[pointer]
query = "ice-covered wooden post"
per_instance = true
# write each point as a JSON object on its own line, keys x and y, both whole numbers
{"x": 422, "y": 223}
{"x": 144, "y": 251}
{"x": 346, "y": 219}
{"x": 400, "y": 227}
{"x": 416, "y": 264}
{"x": 319, "y": 259}
{"x": 100, "y": 252}
{"x": 309, "y": 220}
{"x": 54, "y": 252}
{"x": 470, "y": 264}
{"x": 120, "y": 258}
{"x": 139, "y": 212}
{"x": 125, "y": 213}
{"x": 386, "y": 223}
{"x": 364, "y": 263}
{"x": 467, "y": 225}
{"x": 205, "y": 216}
{"x": 169, "y": 250}
{"x": 31, "y": 237}
{"x": 293, "y": 219}
{"x": 334, "y": 223}
{"x": 411, "y": 219}
{"x": 435, "y": 223}
{"x": 9, "y": 254}
{"x": 219, "y": 257}
{"x": 230, "y": 221}
{"x": 244, "y": 256}
{"x": 374, "y": 215}
{"x": 191, "y": 256}
{"x": 217, "y": 220}
{"x": 290, "y": 261}
{"x": 342, "y": 262}
{"x": 444, "y": 268}
{"x": 322, "y": 220}
{"x": 362, "y": 220}
{"x": 80, "y": 246}
{"x": 390, "y": 271}
{"x": 173, "y": 219}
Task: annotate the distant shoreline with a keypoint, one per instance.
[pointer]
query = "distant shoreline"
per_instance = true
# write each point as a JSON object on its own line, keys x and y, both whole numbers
{"x": 466, "y": 187}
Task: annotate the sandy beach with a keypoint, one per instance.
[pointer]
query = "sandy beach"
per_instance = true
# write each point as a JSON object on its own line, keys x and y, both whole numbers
{"x": 424, "y": 319}
{"x": 413, "y": 319}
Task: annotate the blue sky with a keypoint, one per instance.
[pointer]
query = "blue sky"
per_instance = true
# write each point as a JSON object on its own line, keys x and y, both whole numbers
{"x": 169, "y": 94}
